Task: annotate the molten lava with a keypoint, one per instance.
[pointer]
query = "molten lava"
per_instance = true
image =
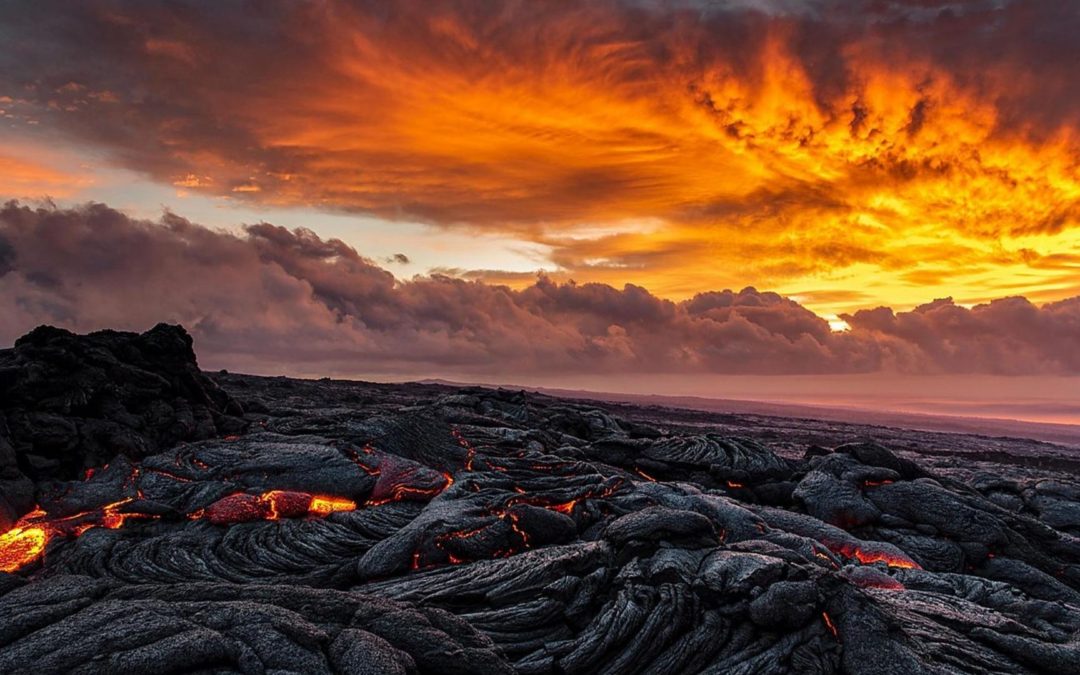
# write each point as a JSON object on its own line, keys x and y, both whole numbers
{"x": 868, "y": 555}
{"x": 27, "y": 540}
{"x": 22, "y": 545}
{"x": 829, "y": 624}
{"x": 645, "y": 475}
{"x": 324, "y": 506}
{"x": 243, "y": 507}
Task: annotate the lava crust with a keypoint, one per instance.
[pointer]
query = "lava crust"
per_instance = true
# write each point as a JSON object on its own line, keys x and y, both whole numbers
{"x": 360, "y": 528}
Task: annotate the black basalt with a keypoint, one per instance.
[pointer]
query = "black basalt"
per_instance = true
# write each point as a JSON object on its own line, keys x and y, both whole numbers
{"x": 471, "y": 530}
{"x": 69, "y": 403}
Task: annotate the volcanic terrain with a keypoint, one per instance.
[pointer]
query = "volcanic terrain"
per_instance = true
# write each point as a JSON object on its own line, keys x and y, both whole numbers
{"x": 158, "y": 519}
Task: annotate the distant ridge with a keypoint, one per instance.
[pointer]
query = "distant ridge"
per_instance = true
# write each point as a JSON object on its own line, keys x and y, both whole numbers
{"x": 1064, "y": 434}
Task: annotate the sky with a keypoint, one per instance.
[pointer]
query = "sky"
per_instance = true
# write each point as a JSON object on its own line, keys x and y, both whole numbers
{"x": 599, "y": 187}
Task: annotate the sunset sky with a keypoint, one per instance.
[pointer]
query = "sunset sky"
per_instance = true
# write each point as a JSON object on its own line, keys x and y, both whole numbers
{"x": 850, "y": 161}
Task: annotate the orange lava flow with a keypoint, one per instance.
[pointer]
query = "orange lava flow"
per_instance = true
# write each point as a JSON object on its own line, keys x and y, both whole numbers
{"x": 868, "y": 556}
{"x": 20, "y": 546}
{"x": 242, "y": 507}
{"x": 26, "y": 541}
{"x": 326, "y": 505}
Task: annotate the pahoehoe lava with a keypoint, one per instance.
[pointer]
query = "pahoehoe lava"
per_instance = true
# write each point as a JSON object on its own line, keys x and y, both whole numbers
{"x": 159, "y": 519}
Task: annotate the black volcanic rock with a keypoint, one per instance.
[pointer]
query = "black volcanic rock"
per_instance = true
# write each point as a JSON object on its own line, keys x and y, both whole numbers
{"x": 362, "y": 528}
{"x": 69, "y": 403}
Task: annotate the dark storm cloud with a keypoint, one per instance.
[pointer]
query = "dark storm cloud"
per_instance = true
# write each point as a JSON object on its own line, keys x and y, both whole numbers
{"x": 273, "y": 298}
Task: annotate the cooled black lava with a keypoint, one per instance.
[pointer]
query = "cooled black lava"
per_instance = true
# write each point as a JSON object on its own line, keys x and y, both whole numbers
{"x": 156, "y": 521}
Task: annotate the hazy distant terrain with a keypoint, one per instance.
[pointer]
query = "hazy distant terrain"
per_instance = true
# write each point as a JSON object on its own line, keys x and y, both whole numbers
{"x": 857, "y": 420}
{"x": 947, "y": 416}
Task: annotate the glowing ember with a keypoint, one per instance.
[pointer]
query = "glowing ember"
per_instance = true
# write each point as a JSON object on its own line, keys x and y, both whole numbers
{"x": 735, "y": 486}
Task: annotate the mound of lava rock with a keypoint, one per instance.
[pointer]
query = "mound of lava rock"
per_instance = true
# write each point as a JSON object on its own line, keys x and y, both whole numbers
{"x": 70, "y": 403}
{"x": 420, "y": 529}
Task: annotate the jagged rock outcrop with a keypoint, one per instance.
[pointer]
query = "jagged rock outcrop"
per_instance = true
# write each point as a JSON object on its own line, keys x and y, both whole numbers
{"x": 361, "y": 528}
{"x": 70, "y": 403}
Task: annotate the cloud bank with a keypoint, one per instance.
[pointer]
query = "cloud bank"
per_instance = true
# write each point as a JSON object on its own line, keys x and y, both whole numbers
{"x": 278, "y": 300}
{"x": 889, "y": 149}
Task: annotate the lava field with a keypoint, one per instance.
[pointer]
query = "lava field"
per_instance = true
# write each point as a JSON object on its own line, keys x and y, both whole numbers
{"x": 158, "y": 519}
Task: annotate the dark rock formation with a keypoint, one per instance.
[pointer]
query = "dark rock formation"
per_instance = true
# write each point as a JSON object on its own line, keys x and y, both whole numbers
{"x": 70, "y": 403}
{"x": 364, "y": 528}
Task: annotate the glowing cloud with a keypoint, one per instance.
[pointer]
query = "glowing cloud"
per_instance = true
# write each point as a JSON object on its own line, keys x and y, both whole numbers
{"x": 891, "y": 151}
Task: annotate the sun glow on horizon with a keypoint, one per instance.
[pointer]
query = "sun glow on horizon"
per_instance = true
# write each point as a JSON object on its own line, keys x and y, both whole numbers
{"x": 836, "y": 324}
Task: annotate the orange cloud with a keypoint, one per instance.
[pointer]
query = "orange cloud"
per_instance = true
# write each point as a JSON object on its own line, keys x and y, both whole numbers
{"x": 897, "y": 151}
{"x": 22, "y": 178}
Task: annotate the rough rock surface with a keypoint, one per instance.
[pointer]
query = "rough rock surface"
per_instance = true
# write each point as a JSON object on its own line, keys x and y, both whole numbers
{"x": 362, "y": 528}
{"x": 70, "y": 403}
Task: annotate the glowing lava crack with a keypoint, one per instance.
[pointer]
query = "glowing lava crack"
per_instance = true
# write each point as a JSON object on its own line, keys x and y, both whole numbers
{"x": 26, "y": 542}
